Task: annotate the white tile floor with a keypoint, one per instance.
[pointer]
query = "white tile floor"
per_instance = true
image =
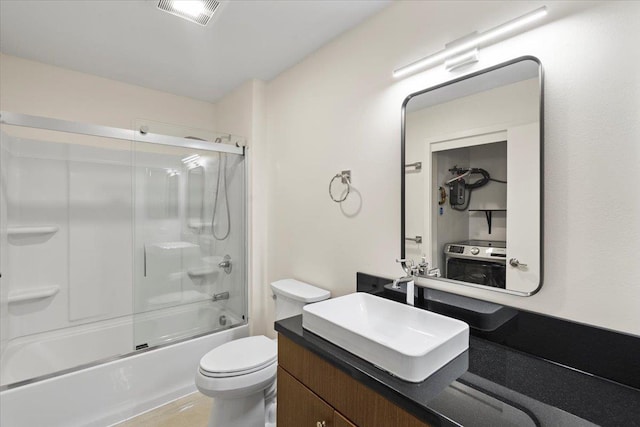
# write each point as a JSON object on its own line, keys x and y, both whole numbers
{"x": 189, "y": 411}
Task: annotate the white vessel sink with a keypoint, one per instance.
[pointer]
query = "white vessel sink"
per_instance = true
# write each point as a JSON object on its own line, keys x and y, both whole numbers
{"x": 405, "y": 341}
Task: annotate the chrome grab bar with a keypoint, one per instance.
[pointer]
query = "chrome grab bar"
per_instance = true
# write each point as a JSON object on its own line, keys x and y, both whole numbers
{"x": 220, "y": 296}
{"x": 417, "y": 239}
{"x": 416, "y": 165}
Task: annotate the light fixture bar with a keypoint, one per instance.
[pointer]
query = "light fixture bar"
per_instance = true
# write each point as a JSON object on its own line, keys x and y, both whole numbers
{"x": 462, "y": 60}
{"x": 481, "y": 38}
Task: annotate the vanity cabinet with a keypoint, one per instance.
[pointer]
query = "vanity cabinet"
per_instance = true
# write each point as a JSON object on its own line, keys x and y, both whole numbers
{"x": 312, "y": 391}
{"x": 340, "y": 421}
{"x": 303, "y": 407}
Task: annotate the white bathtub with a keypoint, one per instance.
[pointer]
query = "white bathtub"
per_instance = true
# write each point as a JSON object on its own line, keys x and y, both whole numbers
{"x": 107, "y": 393}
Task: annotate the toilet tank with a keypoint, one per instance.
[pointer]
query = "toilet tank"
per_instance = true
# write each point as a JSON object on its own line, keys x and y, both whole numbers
{"x": 291, "y": 295}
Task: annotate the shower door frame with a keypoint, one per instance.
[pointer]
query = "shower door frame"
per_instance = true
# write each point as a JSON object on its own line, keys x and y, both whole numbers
{"x": 46, "y": 123}
{"x": 65, "y": 126}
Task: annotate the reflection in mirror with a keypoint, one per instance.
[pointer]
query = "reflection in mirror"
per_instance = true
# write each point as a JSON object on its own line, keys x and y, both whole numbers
{"x": 173, "y": 182}
{"x": 472, "y": 183}
{"x": 161, "y": 193}
{"x": 195, "y": 197}
{"x": 471, "y": 403}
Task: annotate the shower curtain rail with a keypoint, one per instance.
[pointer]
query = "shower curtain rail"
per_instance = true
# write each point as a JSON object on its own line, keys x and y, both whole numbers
{"x": 46, "y": 123}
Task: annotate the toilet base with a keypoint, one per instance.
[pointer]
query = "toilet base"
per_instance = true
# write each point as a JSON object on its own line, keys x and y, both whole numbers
{"x": 248, "y": 411}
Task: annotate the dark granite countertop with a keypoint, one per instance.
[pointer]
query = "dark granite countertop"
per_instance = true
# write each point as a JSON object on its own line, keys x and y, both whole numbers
{"x": 489, "y": 385}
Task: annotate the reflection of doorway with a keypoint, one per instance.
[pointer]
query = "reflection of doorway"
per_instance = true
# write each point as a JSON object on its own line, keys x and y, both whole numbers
{"x": 481, "y": 213}
{"x": 497, "y": 211}
{"x": 469, "y": 219}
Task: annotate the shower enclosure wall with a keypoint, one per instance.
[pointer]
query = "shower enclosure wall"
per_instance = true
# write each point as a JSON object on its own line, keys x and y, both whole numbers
{"x": 114, "y": 241}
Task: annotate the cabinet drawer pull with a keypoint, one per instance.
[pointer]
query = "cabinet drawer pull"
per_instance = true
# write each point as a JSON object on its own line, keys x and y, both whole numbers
{"x": 321, "y": 424}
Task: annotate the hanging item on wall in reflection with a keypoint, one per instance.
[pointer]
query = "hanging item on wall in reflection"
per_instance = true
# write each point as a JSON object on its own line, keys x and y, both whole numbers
{"x": 459, "y": 198}
{"x": 442, "y": 199}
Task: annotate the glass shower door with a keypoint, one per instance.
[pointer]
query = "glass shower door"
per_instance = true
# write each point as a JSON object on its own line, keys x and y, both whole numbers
{"x": 109, "y": 243}
{"x": 65, "y": 249}
{"x": 189, "y": 243}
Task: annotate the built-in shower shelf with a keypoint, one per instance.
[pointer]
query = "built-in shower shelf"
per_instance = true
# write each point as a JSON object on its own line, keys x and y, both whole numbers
{"x": 32, "y": 230}
{"x": 168, "y": 246}
{"x": 210, "y": 265}
{"x": 33, "y": 293}
{"x": 198, "y": 225}
{"x": 199, "y": 272}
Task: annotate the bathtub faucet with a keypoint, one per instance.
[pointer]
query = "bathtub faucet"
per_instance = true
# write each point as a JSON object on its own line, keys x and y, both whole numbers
{"x": 220, "y": 296}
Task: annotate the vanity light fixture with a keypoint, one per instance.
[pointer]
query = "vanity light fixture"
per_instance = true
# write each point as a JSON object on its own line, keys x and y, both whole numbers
{"x": 198, "y": 11}
{"x": 468, "y": 45}
{"x": 466, "y": 58}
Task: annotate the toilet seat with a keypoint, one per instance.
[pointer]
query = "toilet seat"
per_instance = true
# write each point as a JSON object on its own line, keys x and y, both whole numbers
{"x": 240, "y": 357}
{"x": 237, "y": 386}
{"x": 238, "y": 368}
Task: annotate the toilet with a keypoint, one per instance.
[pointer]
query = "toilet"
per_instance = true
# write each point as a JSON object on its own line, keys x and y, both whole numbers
{"x": 240, "y": 375}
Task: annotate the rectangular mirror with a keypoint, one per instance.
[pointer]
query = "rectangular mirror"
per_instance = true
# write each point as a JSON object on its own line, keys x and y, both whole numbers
{"x": 472, "y": 179}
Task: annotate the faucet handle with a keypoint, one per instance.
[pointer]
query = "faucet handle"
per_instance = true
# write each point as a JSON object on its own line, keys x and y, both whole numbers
{"x": 407, "y": 265}
{"x": 434, "y": 272}
{"x": 423, "y": 266}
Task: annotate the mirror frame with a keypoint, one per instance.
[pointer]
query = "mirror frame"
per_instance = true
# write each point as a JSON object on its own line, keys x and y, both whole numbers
{"x": 403, "y": 173}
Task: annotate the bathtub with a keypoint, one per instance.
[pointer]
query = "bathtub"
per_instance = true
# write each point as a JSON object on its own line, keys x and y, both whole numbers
{"x": 107, "y": 393}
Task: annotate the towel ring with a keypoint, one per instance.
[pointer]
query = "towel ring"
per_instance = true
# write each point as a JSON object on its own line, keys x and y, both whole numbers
{"x": 345, "y": 177}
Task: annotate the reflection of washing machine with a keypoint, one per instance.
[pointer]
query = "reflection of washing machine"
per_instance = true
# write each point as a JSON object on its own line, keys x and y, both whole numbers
{"x": 482, "y": 262}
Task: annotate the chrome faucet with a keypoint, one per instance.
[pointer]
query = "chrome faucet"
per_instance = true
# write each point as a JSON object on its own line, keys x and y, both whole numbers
{"x": 423, "y": 267}
{"x": 397, "y": 282}
{"x": 411, "y": 270}
{"x": 423, "y": 270}
{"x": 433, "y": 272}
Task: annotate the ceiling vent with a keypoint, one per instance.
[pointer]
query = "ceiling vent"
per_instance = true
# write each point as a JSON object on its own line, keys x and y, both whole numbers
{"x": 198, "y": 11}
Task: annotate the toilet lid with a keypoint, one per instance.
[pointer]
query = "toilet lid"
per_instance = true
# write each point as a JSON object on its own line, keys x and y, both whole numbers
{"x": 240, "y": 356}
{"x": 299, "y": 291}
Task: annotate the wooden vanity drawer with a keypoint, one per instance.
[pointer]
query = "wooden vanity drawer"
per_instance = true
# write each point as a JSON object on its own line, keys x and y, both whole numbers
{"x": 356, "y": 403}
{"x": 300, "y": 406}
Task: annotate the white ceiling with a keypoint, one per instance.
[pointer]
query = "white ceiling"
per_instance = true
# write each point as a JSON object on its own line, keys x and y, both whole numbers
{"x": 134, "y": 42}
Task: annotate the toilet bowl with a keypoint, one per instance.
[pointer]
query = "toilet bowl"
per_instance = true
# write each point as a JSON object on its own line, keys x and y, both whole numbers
{"x": 240, "y": 375}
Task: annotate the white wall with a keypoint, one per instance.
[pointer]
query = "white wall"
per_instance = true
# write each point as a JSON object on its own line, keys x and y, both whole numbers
{"x": 242, "y": 112}
{"x": 340, "y": 109}
{"x": 44, "y": 90}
